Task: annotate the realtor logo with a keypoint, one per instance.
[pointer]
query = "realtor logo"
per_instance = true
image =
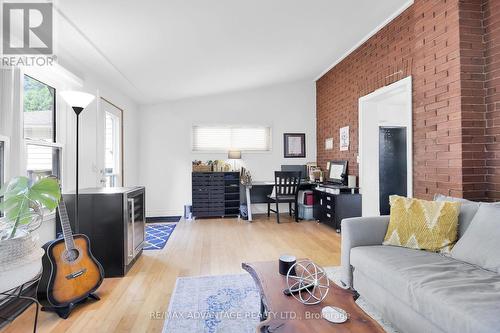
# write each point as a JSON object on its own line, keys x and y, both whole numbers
{"x": 27, "y": 28}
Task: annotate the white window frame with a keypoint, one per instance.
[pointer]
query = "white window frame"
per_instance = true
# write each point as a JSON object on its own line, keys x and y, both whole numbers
{"x": 215, "y": 151}
{"x": 28, "y": 141}
{"x": 5, "y": 171}
{"x": 54, "y": 111}
{"x": 6, "y": 158}
{"x": 42, "y": 143}
{"x": 60, "y": 79}
{"x": 47, "y": 215}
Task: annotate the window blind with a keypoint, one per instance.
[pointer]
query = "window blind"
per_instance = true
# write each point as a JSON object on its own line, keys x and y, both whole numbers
{"x": 224, "y": 138}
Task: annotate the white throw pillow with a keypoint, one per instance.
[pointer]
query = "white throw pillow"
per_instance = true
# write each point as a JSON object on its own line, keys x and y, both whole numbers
{"x": 480, "y": 245}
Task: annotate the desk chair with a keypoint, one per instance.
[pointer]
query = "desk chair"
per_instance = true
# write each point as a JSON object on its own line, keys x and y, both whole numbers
{"x": 286, "y": 188}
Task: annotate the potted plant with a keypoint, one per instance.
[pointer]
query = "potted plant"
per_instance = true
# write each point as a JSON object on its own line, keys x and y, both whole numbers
{"x": 23, "y": 205}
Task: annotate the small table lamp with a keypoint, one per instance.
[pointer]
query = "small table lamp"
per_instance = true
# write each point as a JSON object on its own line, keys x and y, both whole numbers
{"x": 234, "y": 155}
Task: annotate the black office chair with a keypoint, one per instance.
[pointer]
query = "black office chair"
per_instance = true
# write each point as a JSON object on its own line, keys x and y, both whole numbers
{"x": 286, "y": 185}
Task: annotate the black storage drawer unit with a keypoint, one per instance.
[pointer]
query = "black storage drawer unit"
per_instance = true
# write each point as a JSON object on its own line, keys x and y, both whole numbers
{"x": 215, "y": 194}
{"x": 331, "y": 209}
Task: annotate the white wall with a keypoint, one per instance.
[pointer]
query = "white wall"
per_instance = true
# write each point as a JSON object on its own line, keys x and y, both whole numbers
{"x": 165, "y": 140}
{"x": 90, "y": 149}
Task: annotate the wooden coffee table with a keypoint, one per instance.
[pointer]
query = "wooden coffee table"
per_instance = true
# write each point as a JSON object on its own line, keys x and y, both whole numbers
{"x": 284, "y": 314}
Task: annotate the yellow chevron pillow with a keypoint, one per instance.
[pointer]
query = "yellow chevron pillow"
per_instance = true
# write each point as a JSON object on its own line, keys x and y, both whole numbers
{"x": 423, "y": 225}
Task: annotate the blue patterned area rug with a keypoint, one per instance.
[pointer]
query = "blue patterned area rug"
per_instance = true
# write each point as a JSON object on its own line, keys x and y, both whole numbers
{"x": 228, "y": 304}
{"x": 157, "y": 235}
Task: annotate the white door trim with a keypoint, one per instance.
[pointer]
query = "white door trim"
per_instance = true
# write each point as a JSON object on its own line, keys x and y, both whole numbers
{"x": 370, "y": 100}
{"x": 101, "y": 114}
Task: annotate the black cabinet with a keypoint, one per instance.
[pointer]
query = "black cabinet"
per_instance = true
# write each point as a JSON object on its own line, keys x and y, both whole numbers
{"x": 113, "y": 219}
{"x": 215, "y": 194}
{"x": 332, "y": 208}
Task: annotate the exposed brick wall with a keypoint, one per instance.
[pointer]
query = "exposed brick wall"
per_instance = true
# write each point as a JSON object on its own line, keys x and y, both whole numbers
{"x": 423, "y": 42}
{"x": 491, "y": 25}
{"x": 472, "y": 51}
{"x": 452, "y": 50}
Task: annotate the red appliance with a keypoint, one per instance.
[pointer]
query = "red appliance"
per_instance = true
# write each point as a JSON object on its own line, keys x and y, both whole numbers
{"x": 308, "y": 198}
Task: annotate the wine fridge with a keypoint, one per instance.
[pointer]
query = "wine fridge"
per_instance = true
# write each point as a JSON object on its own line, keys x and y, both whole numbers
{"x": 114, "y": 220}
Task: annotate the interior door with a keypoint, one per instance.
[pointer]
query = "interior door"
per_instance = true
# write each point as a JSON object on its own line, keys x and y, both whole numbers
{"x": 111, "y": 145}
{"x": 392, "y": 165}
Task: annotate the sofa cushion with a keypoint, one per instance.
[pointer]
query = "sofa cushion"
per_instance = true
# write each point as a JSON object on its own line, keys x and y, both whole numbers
{"x": 480, "y": 245}
{"x": 455, "y": 296}
{"x": 422, "y": 224}
{"x": 467, "y": 211}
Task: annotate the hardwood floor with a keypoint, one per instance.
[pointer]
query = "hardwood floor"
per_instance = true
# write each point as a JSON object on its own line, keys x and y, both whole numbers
{"x": 201, "y": 247}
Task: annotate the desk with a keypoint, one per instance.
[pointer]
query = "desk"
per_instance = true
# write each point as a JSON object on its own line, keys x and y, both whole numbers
{"x": 346, "y": 200}
{"x": 259, "y": 190}
{"x": 332, "y": 204}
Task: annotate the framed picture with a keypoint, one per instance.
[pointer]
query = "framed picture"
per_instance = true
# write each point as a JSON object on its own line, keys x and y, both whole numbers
{"x": 344, "y": 138}
{"x": 294, "y": 145}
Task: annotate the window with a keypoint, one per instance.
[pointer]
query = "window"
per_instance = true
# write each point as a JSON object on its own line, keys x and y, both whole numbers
{"x": 2, "y": 168}
{"x": 39, "y": 110}
{"x": 2, "y": 161}
{"x": 112, "y": 158}
{"x": 224, "y": 138}
{"x": 43, "y": 154}
{"x": 42, "y": 161}
{"x": 4, "y": 157}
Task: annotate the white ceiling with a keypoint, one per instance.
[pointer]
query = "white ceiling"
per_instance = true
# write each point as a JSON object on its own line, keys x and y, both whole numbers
{"x": 158, "y": 50}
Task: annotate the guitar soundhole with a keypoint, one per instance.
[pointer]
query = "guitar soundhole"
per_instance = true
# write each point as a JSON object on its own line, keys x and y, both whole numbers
{"x": 71, "y": 255}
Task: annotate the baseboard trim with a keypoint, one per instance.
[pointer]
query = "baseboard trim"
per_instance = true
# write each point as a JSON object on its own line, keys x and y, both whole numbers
{"x": 157, "y": 219}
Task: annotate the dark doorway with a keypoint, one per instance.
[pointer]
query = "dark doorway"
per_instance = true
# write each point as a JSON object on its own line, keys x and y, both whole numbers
{"x": 392, "y": 165}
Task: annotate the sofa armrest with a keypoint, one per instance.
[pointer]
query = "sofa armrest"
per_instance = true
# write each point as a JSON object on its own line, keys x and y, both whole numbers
{"x": 360, "y": 231}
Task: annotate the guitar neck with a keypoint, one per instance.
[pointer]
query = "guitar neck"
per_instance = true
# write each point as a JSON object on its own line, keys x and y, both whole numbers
{"x": 65, "y": 225}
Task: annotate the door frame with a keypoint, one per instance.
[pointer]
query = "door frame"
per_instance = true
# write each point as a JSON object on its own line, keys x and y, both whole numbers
{"x": 366, "y": 104}
{"x": 102, "y": 115}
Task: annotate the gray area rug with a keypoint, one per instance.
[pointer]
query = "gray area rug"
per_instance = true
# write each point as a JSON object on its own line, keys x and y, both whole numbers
{"x": 228, "y": 304}
{"x": 210, "y": 304}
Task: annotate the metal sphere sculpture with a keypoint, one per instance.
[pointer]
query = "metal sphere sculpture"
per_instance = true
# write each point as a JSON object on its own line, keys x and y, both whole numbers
{"x": 307, "y": 282}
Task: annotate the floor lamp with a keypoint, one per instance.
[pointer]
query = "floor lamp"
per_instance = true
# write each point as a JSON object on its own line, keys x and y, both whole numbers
{"x": 78, "y": 101}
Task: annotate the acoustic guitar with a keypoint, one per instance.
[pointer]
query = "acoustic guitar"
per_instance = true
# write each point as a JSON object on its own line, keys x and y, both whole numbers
{"x": 70, "y": 272}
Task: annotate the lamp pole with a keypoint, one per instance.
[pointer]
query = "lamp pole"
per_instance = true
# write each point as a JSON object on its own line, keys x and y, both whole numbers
{"x": 78, "y": 101}
{"x": 77, "y": 110}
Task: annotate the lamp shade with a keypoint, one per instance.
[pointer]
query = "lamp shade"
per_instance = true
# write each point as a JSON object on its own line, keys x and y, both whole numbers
{"x": 77, "y": 99}
{"x": 234, "y": 155}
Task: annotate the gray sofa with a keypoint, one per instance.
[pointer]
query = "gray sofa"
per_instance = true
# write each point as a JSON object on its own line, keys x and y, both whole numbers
{"x": 419, "y": 291}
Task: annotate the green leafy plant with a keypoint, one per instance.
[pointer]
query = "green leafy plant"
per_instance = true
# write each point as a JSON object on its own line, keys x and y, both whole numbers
{"x": 23, "y": 203}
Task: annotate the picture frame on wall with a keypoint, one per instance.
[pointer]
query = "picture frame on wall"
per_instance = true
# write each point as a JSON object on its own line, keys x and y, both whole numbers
{"x": 294, "y": 145}
{"x": 344, "y": 138}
